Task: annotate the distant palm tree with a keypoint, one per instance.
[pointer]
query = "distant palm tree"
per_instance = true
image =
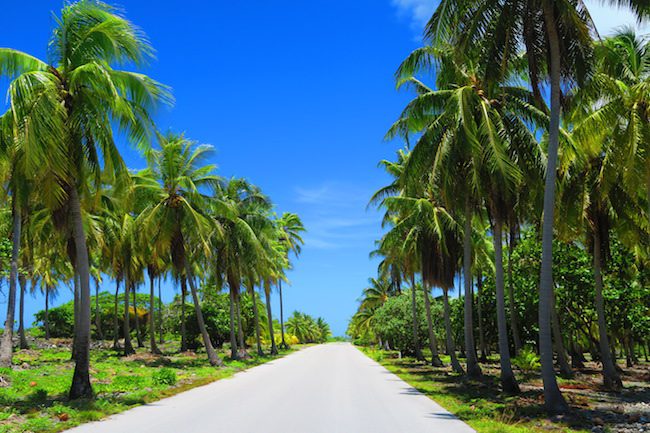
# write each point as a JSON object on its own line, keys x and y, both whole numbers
{"x": 290, "y": 227}
{"x": 176, "y": 182}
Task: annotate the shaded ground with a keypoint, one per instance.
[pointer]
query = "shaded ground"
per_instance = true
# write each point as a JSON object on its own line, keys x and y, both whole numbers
{"x": 487, "y": 410}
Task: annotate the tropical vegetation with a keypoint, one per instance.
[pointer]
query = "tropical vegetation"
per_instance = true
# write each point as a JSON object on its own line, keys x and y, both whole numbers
{"x": 76, "y": 216}
{"x": 524, "y": 184}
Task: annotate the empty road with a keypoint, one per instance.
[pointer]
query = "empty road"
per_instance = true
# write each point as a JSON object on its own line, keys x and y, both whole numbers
{"x": 331, "y": 388}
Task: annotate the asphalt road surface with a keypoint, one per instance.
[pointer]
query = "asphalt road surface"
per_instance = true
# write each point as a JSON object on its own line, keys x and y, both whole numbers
{"x": 331, "y": 388}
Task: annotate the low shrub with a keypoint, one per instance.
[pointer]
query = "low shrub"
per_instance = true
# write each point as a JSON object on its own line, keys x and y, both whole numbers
{"x": 527, "y": 360}
{"x": 164, "y": 376}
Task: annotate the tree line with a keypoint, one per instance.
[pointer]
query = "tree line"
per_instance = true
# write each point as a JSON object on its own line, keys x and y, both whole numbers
{"x": 523, "y": 120}
{"x": 75, "y": 213}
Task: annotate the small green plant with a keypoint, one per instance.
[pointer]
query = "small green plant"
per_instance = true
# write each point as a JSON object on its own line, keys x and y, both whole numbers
{"x": 527, "y": 360}
{"x": 164, "y": 376}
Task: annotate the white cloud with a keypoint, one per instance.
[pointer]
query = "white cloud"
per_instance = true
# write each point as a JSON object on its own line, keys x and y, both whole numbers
{"x": 418, "y": 11}
{"x": 335, "y": 217}
{"x": 606, "y": 17}
{"x": 609, "y": 18}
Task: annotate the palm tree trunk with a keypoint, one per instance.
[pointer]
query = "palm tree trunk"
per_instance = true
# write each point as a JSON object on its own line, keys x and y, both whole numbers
{"x": 47, "y": 313}
{"x": 81, "y": 387}
{"x": 508, "y": 380}
{"x": 514, "y": 325}
{"x": 455, "y": 365}
{"x": 553, "y": 399}
{"x": 240, "y": 328}
{"x": 258, "y": 336}
{"x": 183, "y": 330}
{"x": 433, "y": 343}
{"x": 414, "y": 320}
{"x": 267, "y": 294}
{"x": 611, "y": 378}
{"x": 6, "y": 348}
{"x": 116, "y": 323}
{"x": 152, "y": 316}
{"x": 138, "y": 333}
{"x": 283, "y": 344}
{"x": 98, "y": 317}
{"x": 161, "y": 338}
{"x": 21, "y": 313}
{"x": 481, "y": 332}
{"x": 256, "y": 318}
{"x": 234, "y": 353}
{"x": 76, "y": 303}
{"x": 473, "y": 369}
{"x": 562, "y": 358}
{"x": 213, "y": 358}
{"x": 128, "y": 347}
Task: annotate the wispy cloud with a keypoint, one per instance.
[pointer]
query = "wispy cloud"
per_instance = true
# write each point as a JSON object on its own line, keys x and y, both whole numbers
{"x": 606, "y": 17}
{"x": 609, "y": 18}
{"x": 335, "y": 216}
{"x": 417, "y": 11}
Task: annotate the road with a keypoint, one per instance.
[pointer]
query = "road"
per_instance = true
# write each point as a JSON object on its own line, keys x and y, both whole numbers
{"x": 331, "y": 388}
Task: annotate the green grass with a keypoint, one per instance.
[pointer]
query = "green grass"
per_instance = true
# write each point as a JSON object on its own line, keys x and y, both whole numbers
{"x": 36, "y": 398}
{"x": 478, "y": 403}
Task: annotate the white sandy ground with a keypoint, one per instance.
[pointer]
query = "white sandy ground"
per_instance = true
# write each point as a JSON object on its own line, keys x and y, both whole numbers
{"x": 331, "y": 388}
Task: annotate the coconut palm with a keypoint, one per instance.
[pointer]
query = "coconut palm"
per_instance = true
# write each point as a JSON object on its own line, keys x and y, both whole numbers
{"x": 290, "y": 227}
{"x": 611, "y": 126}
{"x": 238, "y": 246}
{"x": 69, "y": 107}
{"x": 478, "y": 131}
{"x": 177, "y": 182}
{"x": 556, "y": 36}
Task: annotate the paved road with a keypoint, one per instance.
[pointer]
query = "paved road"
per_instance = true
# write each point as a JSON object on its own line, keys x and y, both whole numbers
{"x": 330, "y": 388}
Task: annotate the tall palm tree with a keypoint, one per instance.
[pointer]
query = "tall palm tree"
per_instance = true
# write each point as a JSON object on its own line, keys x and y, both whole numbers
{"x": 475, "y": 130}
{"x": 239, "y": 245}
{"x": 610, "y": 114}
{"x": 290, "y": 227}
{"x": 430, "y": 237}
{"x": 69, "y": 106}
{"x": 177, "y": 216}
{"x": 12, "y": 154}
{"x": 556, "y": 36}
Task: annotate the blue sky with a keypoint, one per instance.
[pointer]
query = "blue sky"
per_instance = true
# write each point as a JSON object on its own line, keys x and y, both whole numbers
{"x": 296, "y": 97}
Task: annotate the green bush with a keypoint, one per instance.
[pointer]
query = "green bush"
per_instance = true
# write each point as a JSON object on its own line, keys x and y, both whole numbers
{"x": 61, "y": 318}
{"x": 164, "y": 376}
{"x": 527, "y": 360}
{"x": 393, "y": 322}
{"x": 216, "y": 315}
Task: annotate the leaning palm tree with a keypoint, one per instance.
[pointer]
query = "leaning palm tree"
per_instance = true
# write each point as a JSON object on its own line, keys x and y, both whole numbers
{"x": 175, "y": 181}
{"x": 69, "y": 106}
{"x": 556, "y": 36}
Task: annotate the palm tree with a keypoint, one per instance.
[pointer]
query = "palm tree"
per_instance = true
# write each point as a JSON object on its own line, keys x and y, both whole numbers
{"x": 557, "y": 40}
{"x": 177, "y": 215}
{"x": 238, "y": 246}
{"x": 290, "y": 227}
{"x": 610, "y": 117}
{"x": 430, "y": 236}
{"x": 398, "y": 252}
{"x": 11, "y": 151}
{"x": 475, "y": 130}
{"x": 69, "y": 107}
